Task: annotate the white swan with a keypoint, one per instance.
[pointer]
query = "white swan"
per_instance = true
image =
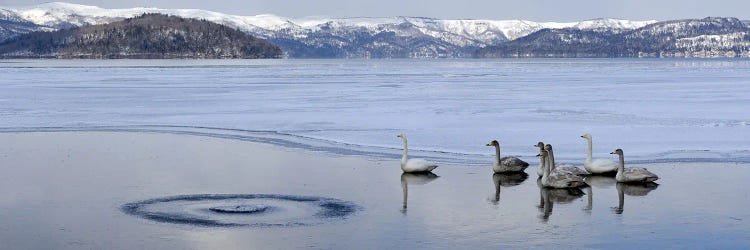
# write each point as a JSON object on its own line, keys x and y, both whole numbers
{"x": 506, "y": 164}
{"x": 598, "y": 166}
{"x": 570, "y": 169}
{"x": 414, "y": 165}
{"x": 558, "y": 179}
{"x": 632, "y": 174}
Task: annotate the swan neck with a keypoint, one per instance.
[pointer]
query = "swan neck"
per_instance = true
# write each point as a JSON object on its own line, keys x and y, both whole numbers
{"x": 404, "y": 157}
{"x": 621, "y": 167}
{"x": 546, "y": 168}
{"x": 497, "y": 155}
{"x": 551, "y": 157}
{"x": 591, "y": 148}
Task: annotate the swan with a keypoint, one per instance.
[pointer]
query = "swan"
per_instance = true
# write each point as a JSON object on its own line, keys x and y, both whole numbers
{"x": 571, "y": 169}
{"x": 632, "y": 174}
{"x": 558, "y": 179}
{"x": 506, "y": 164}
{"x": 414, "y": 165}
{"x": 598, "y": 166}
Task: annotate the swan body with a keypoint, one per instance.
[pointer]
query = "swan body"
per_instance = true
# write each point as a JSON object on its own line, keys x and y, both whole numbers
{"x": 414, "y": 165}
{"x": 558, "y": 179}
{"x": 632, "y": 174}
{"x": 417, "y": 165}
{"x": 597, "y": 166}
{"x": 506, "y": 164}
{"x": 563, "y": 168}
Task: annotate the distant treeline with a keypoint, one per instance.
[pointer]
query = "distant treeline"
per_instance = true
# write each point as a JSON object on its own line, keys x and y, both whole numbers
{"x": 145, "y": 36}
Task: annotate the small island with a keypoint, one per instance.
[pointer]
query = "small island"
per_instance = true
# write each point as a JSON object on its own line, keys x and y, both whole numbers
{"x": 149, "y": 36}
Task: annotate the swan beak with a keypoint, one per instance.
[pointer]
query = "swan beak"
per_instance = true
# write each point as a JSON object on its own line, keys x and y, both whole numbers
{"x": 539, "y": 155}
{"x": 583, "y": 137}
{"x": 488, "y": 144}
{"x": 613, "y": 152}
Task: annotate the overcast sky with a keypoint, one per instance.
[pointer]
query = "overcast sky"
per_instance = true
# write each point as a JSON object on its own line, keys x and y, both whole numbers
{"x": 535, "y": 10}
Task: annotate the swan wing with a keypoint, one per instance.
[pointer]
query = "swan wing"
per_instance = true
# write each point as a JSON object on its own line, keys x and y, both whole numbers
{"x": 572, "y": 169}
{"x": 511, "y": 164}
{"x": 419, "y": 165}
{"x": 560, "y": 179}
{"x": 639, "y": 175}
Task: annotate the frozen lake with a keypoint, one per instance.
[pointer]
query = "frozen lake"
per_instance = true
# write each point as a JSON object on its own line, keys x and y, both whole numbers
{"x": 656, "y": 110}
{"x": 278, "y": 154}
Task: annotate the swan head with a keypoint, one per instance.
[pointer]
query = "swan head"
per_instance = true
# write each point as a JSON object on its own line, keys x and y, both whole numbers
{"x": 539, "y": 145}
{"x": 401, "y": 136}
{"x": 587, "y": 136}
{"x": 493, "y": 143}
{"x": 617, "y": 152}
{"x": 548, "y": 147}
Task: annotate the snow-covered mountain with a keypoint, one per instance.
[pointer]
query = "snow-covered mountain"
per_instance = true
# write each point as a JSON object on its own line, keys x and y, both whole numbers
{"x": 707, "y": 37}
{"x": 320, "y": 36}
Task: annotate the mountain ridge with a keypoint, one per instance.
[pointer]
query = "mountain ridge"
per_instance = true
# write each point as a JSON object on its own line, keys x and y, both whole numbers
{"x": 707, "y": 37}
{"x": 341, "y": 37}
{"x": 383, "y": 37}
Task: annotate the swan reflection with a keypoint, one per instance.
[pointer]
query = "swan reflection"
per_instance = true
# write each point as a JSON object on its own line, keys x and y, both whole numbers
{"x": 632, "y": 189}
{"x": 506, "y": 180}
{"x": 414, "y": 179}
{"x": 600, "y": 182}
{"x": 550, "y": 196}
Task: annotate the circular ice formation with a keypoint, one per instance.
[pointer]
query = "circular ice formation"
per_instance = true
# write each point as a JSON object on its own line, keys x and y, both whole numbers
{"x": 242, "y": 210}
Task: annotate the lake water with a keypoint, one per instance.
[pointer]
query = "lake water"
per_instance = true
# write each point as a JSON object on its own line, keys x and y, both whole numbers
{"x": 83, "y": 141}
{"x": 65, "y": 190}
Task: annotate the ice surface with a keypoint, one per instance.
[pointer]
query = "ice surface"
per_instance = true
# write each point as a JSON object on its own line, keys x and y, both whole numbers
{"x": 655, "y": 110}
